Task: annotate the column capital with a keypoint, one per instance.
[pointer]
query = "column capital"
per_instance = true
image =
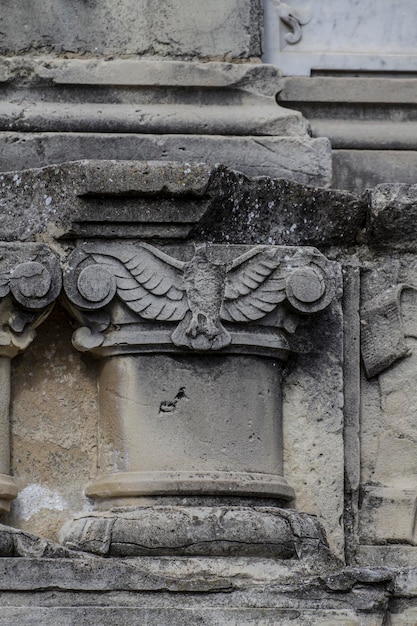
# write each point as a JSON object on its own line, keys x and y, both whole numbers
{"x": 30, "y": 282}
{"x": 136, "y": 298}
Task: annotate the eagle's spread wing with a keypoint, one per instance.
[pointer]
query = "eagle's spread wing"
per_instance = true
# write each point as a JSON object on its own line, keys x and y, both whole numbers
{"x": 253, "y": 286}
{"x": 150, "y": 282}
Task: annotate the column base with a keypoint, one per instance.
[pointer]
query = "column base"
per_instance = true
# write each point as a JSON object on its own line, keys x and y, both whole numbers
{"x": 166, "y": 483}
{"x": 198, "y": 531}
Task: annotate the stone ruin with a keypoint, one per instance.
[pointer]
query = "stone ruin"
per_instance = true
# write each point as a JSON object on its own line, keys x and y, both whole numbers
{"x": 207, "y": 399}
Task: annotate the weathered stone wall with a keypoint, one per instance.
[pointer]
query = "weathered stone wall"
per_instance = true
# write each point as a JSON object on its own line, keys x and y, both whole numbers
{"x": 248, "y": 439}
{"x": 341, "y": 426}
{"x": 220, "y": 29}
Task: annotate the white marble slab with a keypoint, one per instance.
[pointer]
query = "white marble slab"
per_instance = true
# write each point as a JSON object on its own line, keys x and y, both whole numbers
{"x": 351, "y": 35}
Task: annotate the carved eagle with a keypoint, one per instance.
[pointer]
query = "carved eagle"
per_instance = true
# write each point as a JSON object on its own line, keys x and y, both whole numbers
{"x": 198, "y": 293}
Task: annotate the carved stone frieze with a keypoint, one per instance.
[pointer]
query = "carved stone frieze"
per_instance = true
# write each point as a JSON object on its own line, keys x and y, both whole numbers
{"x": 218, "y": 297}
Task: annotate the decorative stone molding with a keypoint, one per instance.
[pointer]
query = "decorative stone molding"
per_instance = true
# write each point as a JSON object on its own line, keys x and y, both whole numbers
{"x": 214, "y": 112}
{"x": 30, "y": 282}
{"x": 293, "y": 18}
{"x": 382, "y": 330}
{"x": 388, "y": 491}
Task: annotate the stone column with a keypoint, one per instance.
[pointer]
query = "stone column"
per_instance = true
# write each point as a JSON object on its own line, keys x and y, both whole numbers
{"x": 30, "y": 281}
{"x": 192, "y": 340}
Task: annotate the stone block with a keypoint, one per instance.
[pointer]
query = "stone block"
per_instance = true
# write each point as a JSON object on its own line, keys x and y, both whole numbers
{"x": 388, "y": 514}
{"x": 303, "y": 160}
{"x": 390, "y": 556}
{"x": 221, "y": 28}
{"x": 388, "y": 398}
{"x": 165, "y": 591}
{"x": 81, "y": 199}
{"x": 176, "y": 617}
{"x": 407, "y": 617}
{"x": 87, "y": 199}
{"x": 313, "y": 426}
{"x": 212, "y": 112}
{"x": 370, "y": 122}
{"x": 54, "y": 426}
{"x": 358, "y": 170}
{"x": 393, "y": 212}
{"x": 201, "y": 531}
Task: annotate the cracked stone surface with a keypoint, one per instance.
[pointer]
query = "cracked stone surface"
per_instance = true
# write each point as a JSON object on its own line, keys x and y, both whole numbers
{"x": 215, "y": 531}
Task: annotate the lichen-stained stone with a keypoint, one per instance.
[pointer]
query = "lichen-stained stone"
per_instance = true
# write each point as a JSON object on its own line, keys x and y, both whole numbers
{"x": 219, "y": 29}
{"x": 393, "y": 212}
{"x": 216, "y": 590}
{"x": 174, "y": 200}
{"x": 17, "y": 543}
{"x": 183, "y": 332}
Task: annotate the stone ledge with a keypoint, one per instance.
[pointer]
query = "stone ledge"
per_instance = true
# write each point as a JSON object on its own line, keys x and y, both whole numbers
{"x": 164, "y": 591}
{"x": 305, "y": 160}
{"x": 167, "y": 97}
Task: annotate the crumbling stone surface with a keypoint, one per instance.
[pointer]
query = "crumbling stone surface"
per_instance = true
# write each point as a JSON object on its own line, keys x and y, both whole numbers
{"x": 58, "y": 109}
{"x": 313, "y": 423}
{"x": 207, "y": 203}
{"x": 162, "y": 591}
{"x": 302, "y": 159}
{"x": 80, "y": 198}
{"x": 284, "y": 212}
{"x": 393, "y": 213}
{"x": 200, "y": 531}
{"x": 388, "y": 507}
{"x": 17, "y": 543}
{"x": 47, "y": 94}
{"x": 98, "y": 199}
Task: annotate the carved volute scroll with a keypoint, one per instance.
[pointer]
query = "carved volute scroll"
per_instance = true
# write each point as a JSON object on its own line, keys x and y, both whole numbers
{"x": 292, "y": 18}
{"x": 30, "y": 282}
